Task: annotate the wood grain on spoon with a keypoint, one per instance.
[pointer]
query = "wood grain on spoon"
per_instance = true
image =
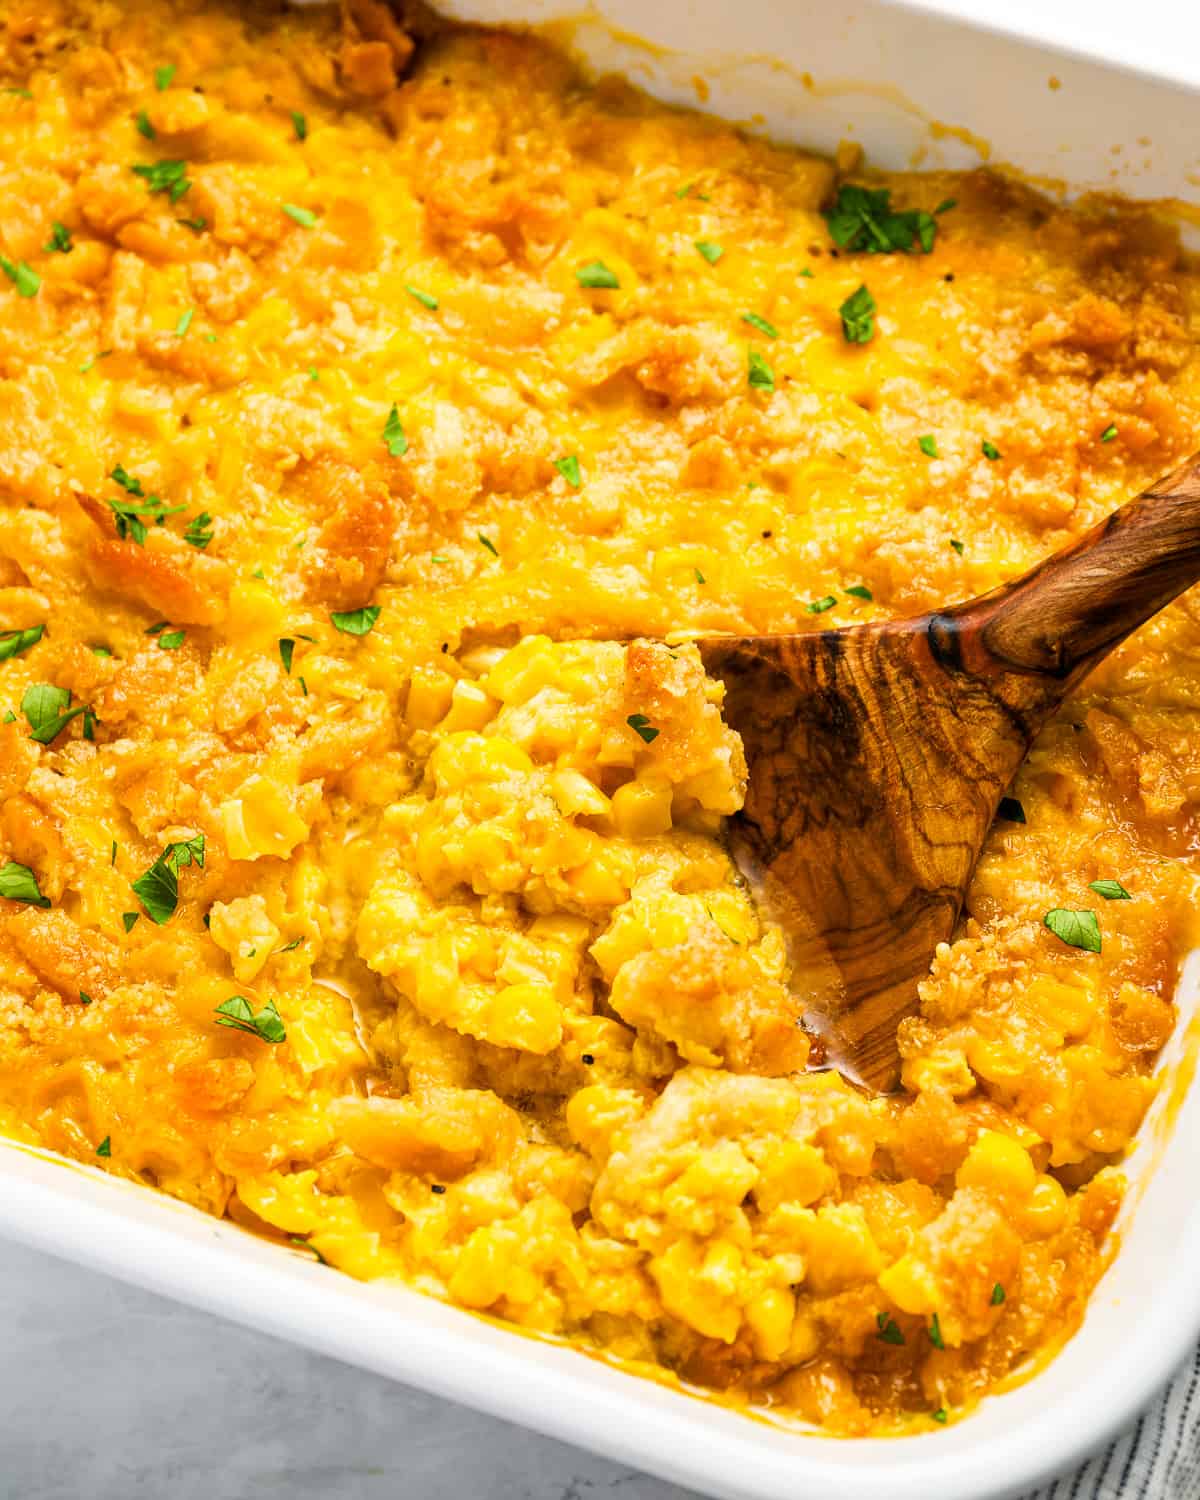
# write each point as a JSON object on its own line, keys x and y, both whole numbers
{"x": 878, "y": 754}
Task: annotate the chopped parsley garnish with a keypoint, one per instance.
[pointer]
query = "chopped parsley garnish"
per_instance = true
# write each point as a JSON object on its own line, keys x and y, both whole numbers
{"x": 597, "y": 274}
{"x": 997, "y": 1295}
{"x": 990, "y": 451}
{"x": 163, "y": 77}
{"x": 356, "y": 621}
{"x": 946, "y": 205}
{"x": 129, "y": 918}
{"x": 819, "y": 606}
{"x": 198, "y": 224}
{"x": 112, "y": 853}
{"x": 393, "y": 434}
{"x": 768, "y": 330}
{"x": 1109, "y": 433}
{"x": 1010, "y": 810}
{"x": 144, "y": 126}
{"x": 303, "y": 216}
{"x": 1111, "y": 890}
{"x": 100, "y": 650}
{"x": 84, "y": 998}
{"x": 889, "y": 1330}
{"x": 303, "y": 686}
{"x": 941, "y": 1415}
{"x": 1078, "y": 929}
{"x": 935, "y": 1333}
{"x": 859, "y": 591}
{"x": 759, "y": 373}
{"x": 863, "y": 219}
{"x": 16, "y": 91}
{"x": 158, "y": 888}
{"x": 171, "y": 640}
{"x": 60, "y": 242}
{"x": 298, "y": 1239}
{"x": 486, "y": 541}
{"x": 568, "y": 467}
{"x": 424, "y": 298}
{"x": 105, "y": 1147}
{"x": 642, "y": 726}
{"x": 289, "y": 947}
{"x": 128, "y": 482}
{"x": 928, "y": 446}
{"x": 287, "y": 648}
{"x": 88, "y": 363}
{"x": 299, "y": 125}
{"x": 711, "y": 251}
{"x": 808, "y": 272}
{"x": 185, "y": 321}
{"x": 168, "y": 177}
{"x": 130, "y": 515}
{"x": 19, "y": 883}
{"x": 237, "y": 1012}
{"x": 199, "y": 531}
{"x": 700, "y": 578}
{"x": 49, "y": 712}
{"x": 686, "y": 191}
{"x": 957, "y": 545}
{"x": 23, "y": 277}
{"x": 14, "y": 642}
{"x": 858, "y": 317}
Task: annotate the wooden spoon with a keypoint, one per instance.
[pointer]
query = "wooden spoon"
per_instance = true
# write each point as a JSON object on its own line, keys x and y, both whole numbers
{"x": 878, "y": 754}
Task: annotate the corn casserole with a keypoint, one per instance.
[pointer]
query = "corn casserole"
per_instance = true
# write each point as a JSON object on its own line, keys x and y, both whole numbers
{"x": 377, "y": 400}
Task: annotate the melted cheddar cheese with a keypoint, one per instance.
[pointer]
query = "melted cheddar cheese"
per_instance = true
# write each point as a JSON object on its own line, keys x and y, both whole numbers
{"x": 367, "y": 421}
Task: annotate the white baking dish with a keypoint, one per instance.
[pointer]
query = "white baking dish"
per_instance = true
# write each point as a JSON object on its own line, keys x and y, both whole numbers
{"x": 809, "y": 71}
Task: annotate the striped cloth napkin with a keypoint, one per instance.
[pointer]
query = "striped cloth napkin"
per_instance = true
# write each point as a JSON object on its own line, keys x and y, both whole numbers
{"x": 1158, "y": 1458}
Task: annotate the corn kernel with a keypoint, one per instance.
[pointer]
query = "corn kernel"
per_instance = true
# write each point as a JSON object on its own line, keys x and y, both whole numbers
{"x": 576, "y": 796}
{"x": 470, "y": 707}
{"x": 1046, "y": 1210}
{"x": 523, "y": 671}
{"x": 998, "y": 1164}
{"x": 525, "y": 1016}
{"x": 911, "y": 1285}
{"x": 640, "y": 811}
{"x": 769, "y": 1317}
{"x": 429, "y": 695}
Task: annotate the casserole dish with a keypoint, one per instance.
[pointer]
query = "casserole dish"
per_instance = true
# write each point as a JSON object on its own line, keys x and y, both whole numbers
{"x": 888, "y": 123}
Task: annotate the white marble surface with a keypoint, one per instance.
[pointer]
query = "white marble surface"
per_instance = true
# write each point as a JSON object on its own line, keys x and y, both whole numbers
{"x": 107, "y": 1393}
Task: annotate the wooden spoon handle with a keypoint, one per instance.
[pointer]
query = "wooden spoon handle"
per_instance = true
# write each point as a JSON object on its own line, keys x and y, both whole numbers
{"x": 1058, "y": 620}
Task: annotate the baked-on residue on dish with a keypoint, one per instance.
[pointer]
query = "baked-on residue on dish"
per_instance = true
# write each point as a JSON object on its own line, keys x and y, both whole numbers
{"x": 358, "y": 883}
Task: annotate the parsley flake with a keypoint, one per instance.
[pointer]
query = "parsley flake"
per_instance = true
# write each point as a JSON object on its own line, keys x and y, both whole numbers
{"x": 198, "y": 224}
{"x": 568, "y": 467}
{"x": 997, "y": 1295}
{"x": 941, "y": 1415}
{"x": 287, "y": 647}
{"x": 858, "y": 317}
{"x": 158, "y": 888}
{"x": 23, "y": 277}
{"x": 185, "y": 322}
{"x": 863, "y": 219}
{"x": 163, "y": 77}
{"x": 199, "y": 531}
{"x": 486, "y": 541}
{"x": 859, "y": 591}
{"x": 15, "y": 642}
{"x": 597, "y": 275}
{"x": 393, "y": 434}
{"x": 935, "y": 1333}
{"x": 946, "y": 205}
{"x": 928, "y": 446}
{"x": 105, "y": 1147}
{"x": 990, "y": 451}
{"x": 168, "y": 177}
{"x": 49, "y": 712}
{"x": 424, "y": 298}
{"x": 1109, "y": 433}
{"x": 298, "y": 1239}
{"x": 60, "y": 242}
{"x": 1078, "y": 929}
{"x": 711, "y": 251}
{"x": 890, "y": 1331}
{"x": 129, "y": 918}
{"x": 19, "y": 883}
{"x": 356, "y": 621}
{"x": 299, "y": 125}
{"x": 84, "y": 998}
{"x": 1111, "y": 890}
{"x": 819, "y": 606}
{"x": 303, "y": 216}
{"x": 237, "y": 1012}
{"x": 171, "y": 640}
{"x": 957, "y": 545}
{"x": 642, "y": 726}
{"x": 700, "y": 578}
{"x": 768, "y": 330}
{"x": 142, "y": 120}
{"x": 759, "y": 373}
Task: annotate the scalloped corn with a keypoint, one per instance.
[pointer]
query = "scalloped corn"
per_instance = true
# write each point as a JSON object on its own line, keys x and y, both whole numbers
{"x": 375, "y": 400}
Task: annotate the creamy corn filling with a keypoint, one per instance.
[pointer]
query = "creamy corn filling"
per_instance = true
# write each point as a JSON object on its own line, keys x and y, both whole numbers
{"x": 358, "y": 882}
